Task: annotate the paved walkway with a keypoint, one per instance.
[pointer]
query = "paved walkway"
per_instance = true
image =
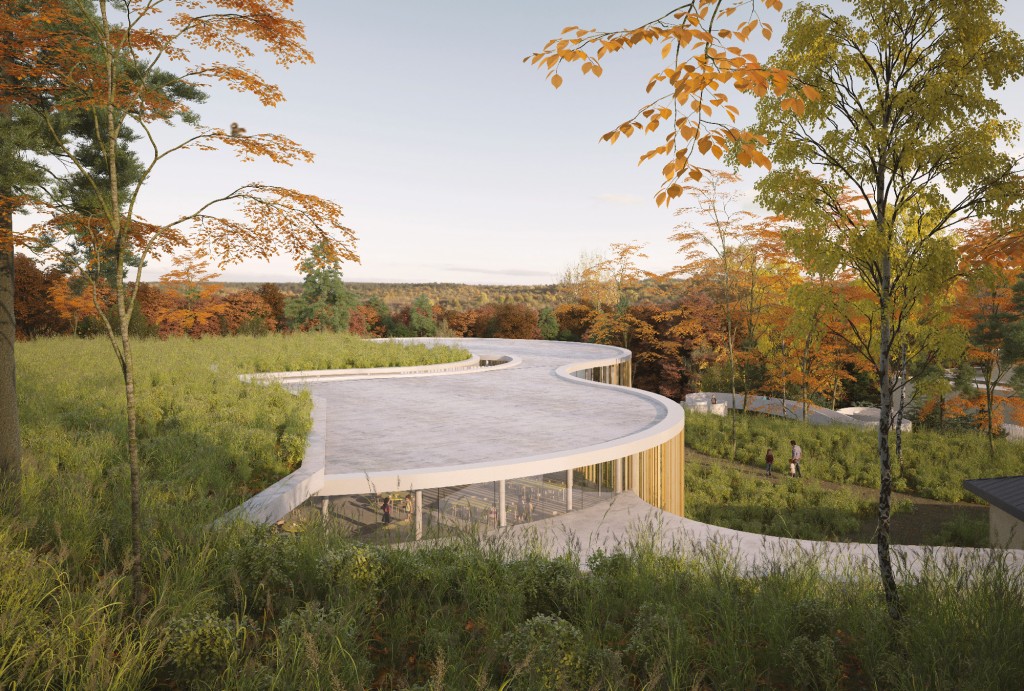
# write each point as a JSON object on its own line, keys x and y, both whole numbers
{"x": 790, "y": 409}
{"x": 621, "y": 523}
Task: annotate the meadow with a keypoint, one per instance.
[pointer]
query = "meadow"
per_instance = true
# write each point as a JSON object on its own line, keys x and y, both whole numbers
{"x": 208, "y": 440}
{"x": 935, "y": 464}
{"x": 245, "y": 607}
{"x": 249, "y": 607}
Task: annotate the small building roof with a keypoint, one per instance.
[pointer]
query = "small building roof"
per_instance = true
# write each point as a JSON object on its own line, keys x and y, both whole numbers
{"x": 1006, "y": 493}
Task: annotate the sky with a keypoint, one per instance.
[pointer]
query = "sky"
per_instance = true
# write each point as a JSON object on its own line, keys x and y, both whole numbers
{"x": 454, "y": 160}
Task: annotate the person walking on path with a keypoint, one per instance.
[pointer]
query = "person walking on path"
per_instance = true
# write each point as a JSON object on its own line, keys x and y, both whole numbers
{"x": 794, "y": 463}
{"x": 769, "y": 459}
{"x": 386, "y": 510}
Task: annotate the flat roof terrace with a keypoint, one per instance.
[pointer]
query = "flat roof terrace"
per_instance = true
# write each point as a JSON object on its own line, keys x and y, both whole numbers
{"x": 526, "y": 417}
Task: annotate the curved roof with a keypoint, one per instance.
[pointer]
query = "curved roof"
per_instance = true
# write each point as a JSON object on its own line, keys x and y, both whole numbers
{"x": 527, "y": 417}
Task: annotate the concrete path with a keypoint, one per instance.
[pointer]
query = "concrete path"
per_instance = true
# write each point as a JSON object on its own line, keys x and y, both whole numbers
{"x": 789, "y": 409}
{"x": 626, "y": 520}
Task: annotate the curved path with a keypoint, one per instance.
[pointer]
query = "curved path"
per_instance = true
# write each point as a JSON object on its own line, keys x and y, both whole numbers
{"x": 788, "y": 408}
{"x": 618, "y": 524}
{"x": 378, "y": 432}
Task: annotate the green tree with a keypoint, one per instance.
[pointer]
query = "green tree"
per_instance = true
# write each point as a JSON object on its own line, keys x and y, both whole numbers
{"x": 421, "y": 317}
{"x": 21, "y": 175}
{"x": 908, "y": 121}
{"x": 325, "y": 303}
{"x": 18, "y": 174}
{"x": 548, "y": 324}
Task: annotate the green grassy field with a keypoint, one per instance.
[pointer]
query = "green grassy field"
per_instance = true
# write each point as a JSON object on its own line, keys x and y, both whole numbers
{"x": 934, "y": 466}
{"x": 208, "y": 440}
{"x": 248, "y": 608}
{"x": 245, "y": 607}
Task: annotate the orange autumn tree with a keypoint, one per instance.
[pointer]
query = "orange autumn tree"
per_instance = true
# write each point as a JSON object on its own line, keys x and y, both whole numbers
{"x": 197, "y": 308}
{"x": 766, "y": 272}
{"x": 701, "y": 44}
{"x": 822, "y": 359}
{"x": 246, "y": 312}
{"x": 986, "y": 308}
{"x": 74, "y": 305}
{"x": 132, "y": 67}
{"x": 620, "y": 278}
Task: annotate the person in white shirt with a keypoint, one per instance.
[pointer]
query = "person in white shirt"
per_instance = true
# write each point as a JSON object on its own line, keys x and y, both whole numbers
{"x": 794, "y": 460}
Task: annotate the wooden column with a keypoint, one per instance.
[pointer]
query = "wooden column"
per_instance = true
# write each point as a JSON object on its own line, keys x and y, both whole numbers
{"x": 501, "y": 504}
{"x": 419, "y": 514}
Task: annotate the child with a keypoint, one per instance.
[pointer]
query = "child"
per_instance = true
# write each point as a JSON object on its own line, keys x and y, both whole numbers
{"x": 769, "y": 459}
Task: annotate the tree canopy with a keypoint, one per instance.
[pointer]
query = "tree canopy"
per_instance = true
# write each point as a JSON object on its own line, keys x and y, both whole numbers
{"x": 906, "y": 142}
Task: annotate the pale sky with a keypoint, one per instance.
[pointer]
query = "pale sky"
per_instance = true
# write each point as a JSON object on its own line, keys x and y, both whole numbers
{"x": 454, "y": 160}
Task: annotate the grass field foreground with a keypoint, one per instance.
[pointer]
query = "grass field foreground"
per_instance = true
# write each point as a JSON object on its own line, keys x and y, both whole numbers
{"x": 208, "y": 440}
{"x": 246, "y": 607}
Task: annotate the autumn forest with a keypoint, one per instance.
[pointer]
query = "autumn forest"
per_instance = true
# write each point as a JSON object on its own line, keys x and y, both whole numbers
{"x": 842, "y": 188}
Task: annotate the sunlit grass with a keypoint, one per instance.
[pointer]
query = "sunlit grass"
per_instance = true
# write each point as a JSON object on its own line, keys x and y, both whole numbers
{"x": 934, "y": 466}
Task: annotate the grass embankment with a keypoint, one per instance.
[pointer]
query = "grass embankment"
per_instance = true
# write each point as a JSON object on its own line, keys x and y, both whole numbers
{"x": 246, "y": 608}
{"x": 208, "y": 440}
{"x": 837, "y": 498}
{"x": 934, "y": 466}
{"x": 243, "y": 607}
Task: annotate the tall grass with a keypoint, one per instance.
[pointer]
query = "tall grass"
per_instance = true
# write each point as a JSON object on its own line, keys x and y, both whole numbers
{"x": 733, "y": 499}
{"x": 208, "y": 440}
{"x": 935, "y": 464}
{"x": 245, "y": 607}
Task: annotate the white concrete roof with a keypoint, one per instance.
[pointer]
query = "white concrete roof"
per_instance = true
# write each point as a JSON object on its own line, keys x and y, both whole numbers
{"x": 523, "y": 418}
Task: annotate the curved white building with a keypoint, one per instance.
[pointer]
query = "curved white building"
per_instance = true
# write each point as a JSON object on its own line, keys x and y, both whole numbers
{"x": 543, "y": 423}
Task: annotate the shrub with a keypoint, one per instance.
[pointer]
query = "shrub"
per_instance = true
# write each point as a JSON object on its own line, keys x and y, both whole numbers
{"x": 547, "y": 652}
{"x": 200, "y": 646}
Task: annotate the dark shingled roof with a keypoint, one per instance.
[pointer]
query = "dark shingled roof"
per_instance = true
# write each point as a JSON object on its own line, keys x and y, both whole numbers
{"x": 1006, "y": 493}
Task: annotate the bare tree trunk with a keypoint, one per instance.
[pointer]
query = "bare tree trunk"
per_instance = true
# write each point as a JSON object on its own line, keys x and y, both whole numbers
{"x": 10, "y": 431}
{"x": 120, "y": 231}
{"x": 128, "y": 372}
{"x": 989, "y": 400}
{"x": 884, "y": 420}
{"x": 732, "y": 384}
{"x": 903, "y": 403}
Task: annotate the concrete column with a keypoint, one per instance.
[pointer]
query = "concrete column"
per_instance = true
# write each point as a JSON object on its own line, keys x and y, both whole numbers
{"x": 568, "y": 490}
{"x": 419, "y": 514}
{"x": 325, "y": 505}
{"x": 617, "y": 471}
{"x": 634, "y": 471}
{"x": 502, "y": 521}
